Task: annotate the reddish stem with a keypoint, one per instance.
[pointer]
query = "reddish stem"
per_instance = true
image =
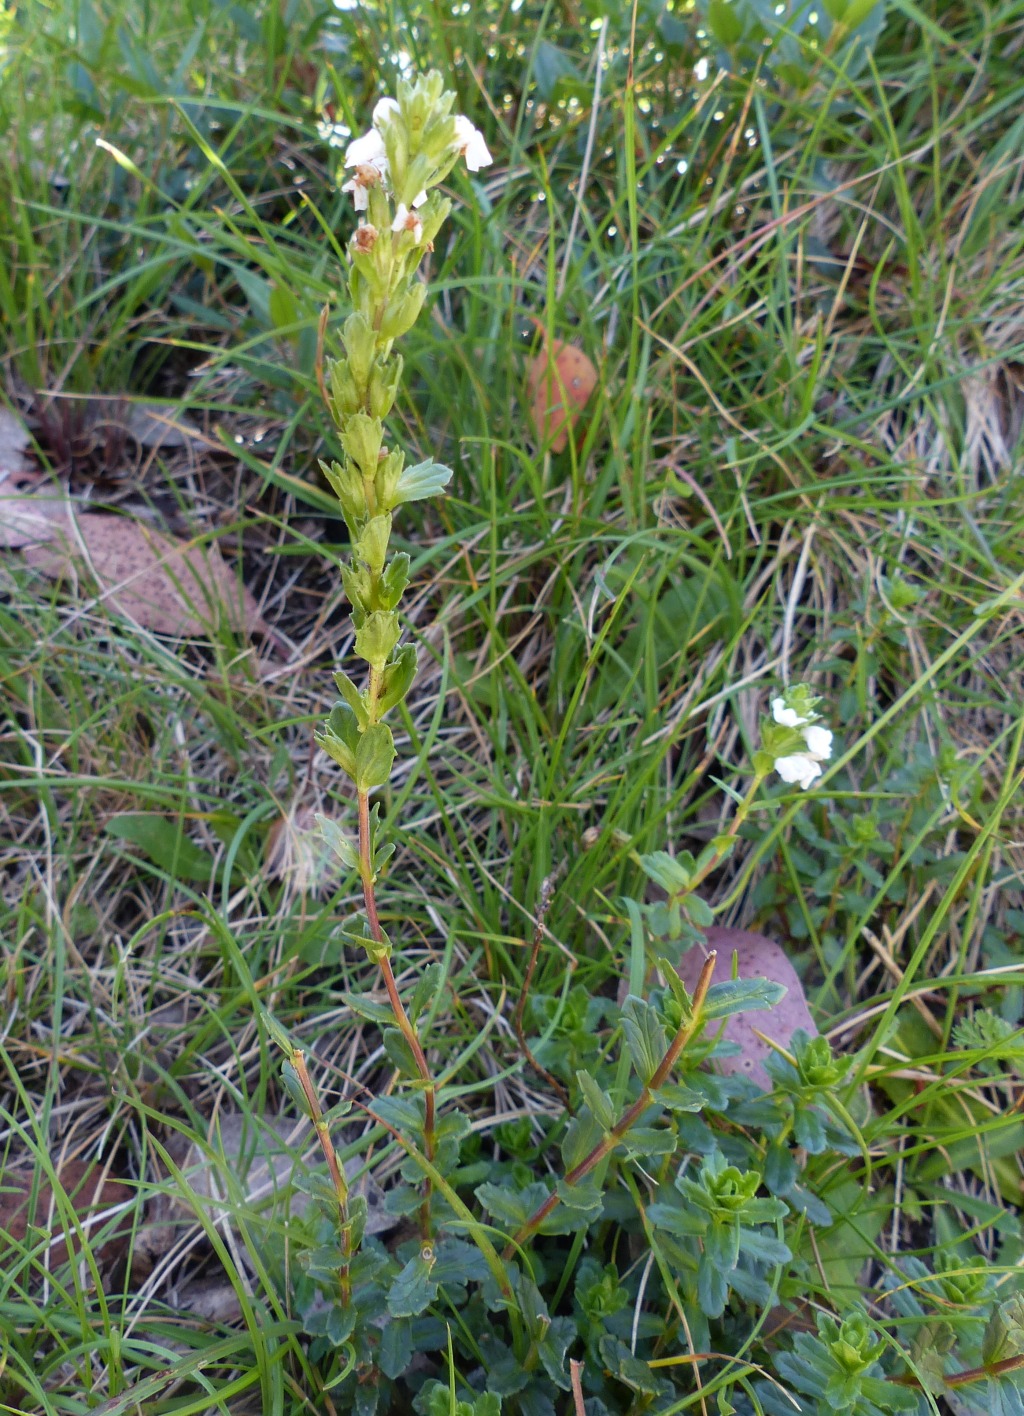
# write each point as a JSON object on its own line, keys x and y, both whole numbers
{"x": 377, "y": 934}
{"x": 630, "y": 1116}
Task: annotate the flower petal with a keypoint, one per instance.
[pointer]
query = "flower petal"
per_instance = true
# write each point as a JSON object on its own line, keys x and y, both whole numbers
{"x": 360, "y": 194}
{"x": 819, "y": 742}
{"x": 787, "y": 717}
{"x": 384, "y": 110}
{"x": 798, "y": 769}
{"x": 367, "y": 151}
{"x": 471, "y": 144}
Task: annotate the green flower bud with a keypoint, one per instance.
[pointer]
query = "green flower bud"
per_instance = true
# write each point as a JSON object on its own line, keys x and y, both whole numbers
{"x": 361, "y": 439}
{"x": 382, "y": 390}
{"x": 402, "y": 314}
{"x": 359, "y": 589}
{"x": 348, "y": 488}
{"x": 354, "y": 698}
{"x": 344, "y": 394}
{"x": 376, "y": 638}
{"x": 391, "y": 586}
{"x": 388, "y": 478}
{"x": 340, "y": 737}
{"x": 360, "y": 346}
{"x": 961, "y": 1280}
{"x": 397, "y": 679}
{"x": 372, "y": 545}
{"x": 816, "y": 1065}
{"x": 852, "y": 1346}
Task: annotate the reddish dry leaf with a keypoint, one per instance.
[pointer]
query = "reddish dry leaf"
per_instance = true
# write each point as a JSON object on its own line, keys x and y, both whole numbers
{"x": 757, "y": 956}
{"x": 166, "y": 585}
{"x": 93, "y": 1193}
{"x": 560, "y": 380}
{"x": 30, "y": 512}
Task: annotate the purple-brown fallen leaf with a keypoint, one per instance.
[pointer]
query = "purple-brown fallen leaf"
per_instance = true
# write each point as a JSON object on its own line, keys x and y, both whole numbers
{"x": 30, "y": 511}
{"x": 560, "y": 381}
{"x": 757, "y": 956}
{"x": 166, "y": 585}
{"x": 95, "y": 1193}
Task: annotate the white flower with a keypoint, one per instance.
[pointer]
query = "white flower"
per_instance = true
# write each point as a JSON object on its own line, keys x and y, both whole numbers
{"x": 359, "y": 184}
{"x": 406, "y": 220}
{"x": 419, "y": 200}
{"x": 368, "y": 151}
{"x": 800, "y": 768}
{"x": 788, "y": 717}
{"x": 819, "y": 743}
{"x": 471, "y": 144}
{"x": 384, "y": 110}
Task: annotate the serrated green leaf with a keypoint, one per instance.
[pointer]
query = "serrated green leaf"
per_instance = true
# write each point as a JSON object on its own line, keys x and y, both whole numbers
{"x": 343, "y": 847}
{"x": 399, "y": 1053}
{"x": 374, "y": 757}
{"x": 426, "y": 479}
{"x": 675, "y": 1096}
{"x": 741, "y": 995}
{"x": 513, "y": 1208}
{"x": 645, "y": 1037}
{"x": 671, "y": 874}
{"x": 599, "y": 1101}
{"x": 413, "y": 1290}
{"x": 397, "y": 679}
{"x": 404, "y": 1113}
{"x": 646, "y": 1142}
{"x": 582, "y": 1134}
{"x": 585, "y": 1198}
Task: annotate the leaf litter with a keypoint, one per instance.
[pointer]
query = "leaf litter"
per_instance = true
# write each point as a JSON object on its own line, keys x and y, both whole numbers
{"x": 163, "y": 583}
{"x": 757, "y": 956}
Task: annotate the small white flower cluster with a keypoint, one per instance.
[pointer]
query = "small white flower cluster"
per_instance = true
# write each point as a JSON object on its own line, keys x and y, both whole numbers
{"x": 368, "y": 156}
{"x": 801, "y": 768}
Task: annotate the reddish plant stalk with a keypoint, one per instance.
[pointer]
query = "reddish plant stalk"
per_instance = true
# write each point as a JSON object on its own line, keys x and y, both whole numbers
{"x": 401, "y": 1016}
{"x": 629, "y": 1117}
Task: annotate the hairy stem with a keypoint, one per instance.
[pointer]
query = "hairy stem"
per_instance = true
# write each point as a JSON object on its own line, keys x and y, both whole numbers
{"x": 334, "y": 1167}
{"x": 401, "y": 1016}
{"x": 629, "y": 1117}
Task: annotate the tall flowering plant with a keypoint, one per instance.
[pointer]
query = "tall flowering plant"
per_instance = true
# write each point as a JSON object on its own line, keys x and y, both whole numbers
{"x": 395, "y": 170}
{"x": 392, "y": 173}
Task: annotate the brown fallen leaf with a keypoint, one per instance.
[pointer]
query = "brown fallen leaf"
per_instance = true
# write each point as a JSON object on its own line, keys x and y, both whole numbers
{"x": 164, "y": 584}
{"x": 560, "y": 381}
{"x": 95, "y": 1195}
{"x": 30, "y": 510}
{"x": 757, "y": 956}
